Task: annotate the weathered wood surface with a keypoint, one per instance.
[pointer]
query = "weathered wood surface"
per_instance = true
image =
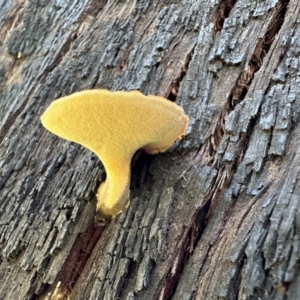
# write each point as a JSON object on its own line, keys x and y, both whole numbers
{"x": 217, "y": 216}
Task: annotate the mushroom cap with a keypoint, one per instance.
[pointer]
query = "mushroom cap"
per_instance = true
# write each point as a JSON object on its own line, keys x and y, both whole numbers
{"x": 126, "y": 121}
{"x": 114, "y": 125}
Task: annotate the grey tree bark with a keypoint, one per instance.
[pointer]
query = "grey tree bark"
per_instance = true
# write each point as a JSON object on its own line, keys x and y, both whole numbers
{"x": 217, "y": 216}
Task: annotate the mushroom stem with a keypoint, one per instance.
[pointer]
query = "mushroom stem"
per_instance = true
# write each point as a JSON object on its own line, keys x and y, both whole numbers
{"x": 113, "y": 193}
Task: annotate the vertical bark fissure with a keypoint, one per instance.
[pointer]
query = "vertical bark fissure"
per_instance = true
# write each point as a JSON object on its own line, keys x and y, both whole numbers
{"x": 221, "y": 13}
{"x": 263, "y": 46}
{"x": 184, "y": 251}
{"x": 173, "y": 89}
{"x": 95, "y": 6}
{"x": 76, "y": 260}
{"x": 235, "y": 282}
{"x": 192, "y": 235}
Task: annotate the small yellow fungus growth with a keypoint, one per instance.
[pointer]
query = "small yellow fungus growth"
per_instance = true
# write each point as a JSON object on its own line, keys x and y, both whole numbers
{"x": 114, "y": 125}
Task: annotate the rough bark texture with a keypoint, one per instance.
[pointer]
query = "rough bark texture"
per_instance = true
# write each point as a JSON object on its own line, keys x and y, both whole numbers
{"x": 217, "y": 216}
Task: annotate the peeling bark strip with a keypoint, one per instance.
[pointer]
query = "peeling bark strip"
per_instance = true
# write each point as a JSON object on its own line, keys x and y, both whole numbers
{"x": 214, "y": 218}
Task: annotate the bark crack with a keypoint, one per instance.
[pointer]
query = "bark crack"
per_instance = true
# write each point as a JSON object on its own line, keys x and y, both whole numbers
{"x": 173, "y": 89}
{"x": 263, "y": 46}
{"x": 221, "y": 13}
{"x": 76, "y": 260}
{"x": 193, "y": 233}
{"x": 241, "y": 87}
{"x": 95, "y": 6}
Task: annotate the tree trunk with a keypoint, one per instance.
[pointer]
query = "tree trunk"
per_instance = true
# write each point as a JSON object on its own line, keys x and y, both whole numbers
{"x": 217, "y": 216}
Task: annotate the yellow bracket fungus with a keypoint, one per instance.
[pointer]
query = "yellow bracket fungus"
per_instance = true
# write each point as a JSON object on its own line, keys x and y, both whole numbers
{"x": 114, "y": 125}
